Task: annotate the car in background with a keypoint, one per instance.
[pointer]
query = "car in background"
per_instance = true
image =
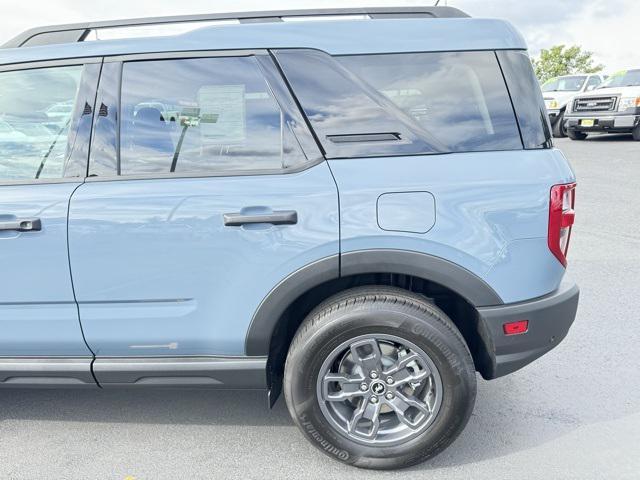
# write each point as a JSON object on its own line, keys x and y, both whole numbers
{"x": 614, "y": 107}
{"x": 558, "y": 91}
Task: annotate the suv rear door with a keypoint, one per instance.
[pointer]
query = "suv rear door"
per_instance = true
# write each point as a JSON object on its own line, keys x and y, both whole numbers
{"x": 205, "y": 190}
{"x": 43, "y": 159}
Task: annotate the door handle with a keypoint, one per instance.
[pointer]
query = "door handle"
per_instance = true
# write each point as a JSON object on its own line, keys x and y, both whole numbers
{"x": 22, "y": 225}
{"x": 281, "y": 217}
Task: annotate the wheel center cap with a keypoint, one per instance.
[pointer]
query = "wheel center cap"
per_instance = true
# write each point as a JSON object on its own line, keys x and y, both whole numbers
{"x": 378, "y": 388}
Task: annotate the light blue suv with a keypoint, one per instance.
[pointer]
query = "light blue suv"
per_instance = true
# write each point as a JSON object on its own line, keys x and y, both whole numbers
{"x": 360, "y": 207}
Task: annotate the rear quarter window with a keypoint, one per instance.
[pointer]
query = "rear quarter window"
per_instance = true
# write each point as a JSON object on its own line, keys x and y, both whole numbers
{"x": 527, "y": 98}
{"x": 459, "y": 97}
{"x": 437, "y": 102}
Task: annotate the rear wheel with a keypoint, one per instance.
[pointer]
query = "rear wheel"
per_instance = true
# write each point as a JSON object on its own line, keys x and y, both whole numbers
{"x": 575, "y": 135}
{"x": 559, "y": 129}
{"x": 636, "y": 133}
{"x": 378, "y": 377}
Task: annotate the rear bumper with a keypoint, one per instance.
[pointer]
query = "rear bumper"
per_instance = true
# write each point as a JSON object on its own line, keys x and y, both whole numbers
{"x": 603, "y": 123}
{"x": 550, "y": 318}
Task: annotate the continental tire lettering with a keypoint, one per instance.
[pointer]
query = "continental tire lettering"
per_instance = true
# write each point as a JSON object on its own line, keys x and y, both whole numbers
{"x": 326, "y": 445}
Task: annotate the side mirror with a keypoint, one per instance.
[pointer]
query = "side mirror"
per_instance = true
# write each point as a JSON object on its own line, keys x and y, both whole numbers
{"x": 590, "y": 87}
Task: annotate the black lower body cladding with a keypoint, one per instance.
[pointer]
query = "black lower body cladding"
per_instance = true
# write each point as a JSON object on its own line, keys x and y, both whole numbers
{"x": 550, "y": 318}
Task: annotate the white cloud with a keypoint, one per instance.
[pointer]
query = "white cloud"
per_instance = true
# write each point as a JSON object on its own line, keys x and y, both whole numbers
{"x": 606, "y": 27}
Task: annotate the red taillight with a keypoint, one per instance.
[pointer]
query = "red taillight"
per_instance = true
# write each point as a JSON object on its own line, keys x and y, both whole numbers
{"x": 515, "y": 328}
{"x": 561, "y": 218}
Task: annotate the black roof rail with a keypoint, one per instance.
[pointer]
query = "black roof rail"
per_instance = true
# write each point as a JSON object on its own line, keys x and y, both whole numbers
{"x": 77, "y": 32}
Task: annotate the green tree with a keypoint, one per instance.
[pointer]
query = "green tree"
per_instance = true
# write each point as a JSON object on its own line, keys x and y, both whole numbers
{"x": 560, "y": 60}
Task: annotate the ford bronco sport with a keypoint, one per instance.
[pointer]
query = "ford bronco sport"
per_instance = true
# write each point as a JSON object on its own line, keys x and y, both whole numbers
{"x": 363, "y": 212}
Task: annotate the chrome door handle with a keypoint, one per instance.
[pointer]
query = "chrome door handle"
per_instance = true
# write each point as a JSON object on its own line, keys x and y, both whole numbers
{"x": 281, "y": 217}
{"x": 22, "y": 225}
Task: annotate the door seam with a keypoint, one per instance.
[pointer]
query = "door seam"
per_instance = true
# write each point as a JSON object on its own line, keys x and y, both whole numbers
{"x": 73, "y": 288}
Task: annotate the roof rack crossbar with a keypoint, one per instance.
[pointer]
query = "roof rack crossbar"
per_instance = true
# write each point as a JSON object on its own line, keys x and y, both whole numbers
{"x": 77, "y": 32}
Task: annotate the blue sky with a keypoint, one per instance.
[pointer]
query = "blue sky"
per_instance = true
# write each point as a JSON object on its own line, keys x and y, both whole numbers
{"x": 609, "y": 28}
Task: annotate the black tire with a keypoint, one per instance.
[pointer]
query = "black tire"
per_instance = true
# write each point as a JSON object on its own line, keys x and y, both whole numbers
{"x": 636, "y": 133}
{"x": 380, "y": 311}
{"x": 575, "y": 135}
{"x": 559, "y": 130}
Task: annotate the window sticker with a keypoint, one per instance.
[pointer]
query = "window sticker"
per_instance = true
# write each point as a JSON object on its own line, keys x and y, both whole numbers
{"x": 222, "y": 113}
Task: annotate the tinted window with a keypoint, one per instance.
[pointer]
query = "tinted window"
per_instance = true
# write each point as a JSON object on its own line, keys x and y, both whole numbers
{"x": 459, "y": 98}
{"x": 349, "y": 116}
{"x": 36, "y": 110}
{"x": 201, "y": 115}
{"x": 527, "y": 98}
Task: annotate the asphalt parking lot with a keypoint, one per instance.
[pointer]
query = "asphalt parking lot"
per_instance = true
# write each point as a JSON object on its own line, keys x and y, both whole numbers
{"x": 575, "y": 413}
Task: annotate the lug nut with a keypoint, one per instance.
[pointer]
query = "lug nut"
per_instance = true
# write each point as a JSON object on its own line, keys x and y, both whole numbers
{"x": 389, "y": 380}
{"x": 389, "y": 396}
{"x": 363, "y": 387}
{"x": 374, "y": 400}
{"x": 373, "y": 374}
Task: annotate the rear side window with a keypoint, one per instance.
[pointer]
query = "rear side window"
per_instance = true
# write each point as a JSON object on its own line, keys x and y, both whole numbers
{"x": 201, "y": 115}
{"x": 36, "y": 110}
{"x": 527, "y": 98}
{"x": 432, "y": 102}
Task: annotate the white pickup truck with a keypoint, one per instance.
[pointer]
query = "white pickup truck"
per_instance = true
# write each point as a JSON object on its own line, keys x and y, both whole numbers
{"x": 613, "y": 107}
{"x": 558, "y": 91}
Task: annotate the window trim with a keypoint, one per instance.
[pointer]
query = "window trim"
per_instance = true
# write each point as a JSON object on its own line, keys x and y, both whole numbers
{"x": 41, "y": 181}
{"x": 239, "y": 173}
{"x": 184, "y": 55}
{"x": 66, "y": 62}
{"x": 282, "y": 96}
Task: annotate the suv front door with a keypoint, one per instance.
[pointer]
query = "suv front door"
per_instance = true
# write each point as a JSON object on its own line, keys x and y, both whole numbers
{"x": 216, "y": 193}
{"x": 43, "y": 159}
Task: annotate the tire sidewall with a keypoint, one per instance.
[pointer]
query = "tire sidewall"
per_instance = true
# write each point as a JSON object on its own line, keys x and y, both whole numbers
{"x": 559, "y": 131}
{"x": 447, "y": 351}
{"x": 576, "y": 135}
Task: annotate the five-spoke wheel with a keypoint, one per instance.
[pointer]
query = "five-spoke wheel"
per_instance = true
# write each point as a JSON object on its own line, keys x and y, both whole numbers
{"x": 379, "y": 389}
{"x": 379, "y": 377}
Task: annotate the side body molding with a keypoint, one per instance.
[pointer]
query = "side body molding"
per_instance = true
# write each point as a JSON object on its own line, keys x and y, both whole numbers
{"x": 475, "y": 290}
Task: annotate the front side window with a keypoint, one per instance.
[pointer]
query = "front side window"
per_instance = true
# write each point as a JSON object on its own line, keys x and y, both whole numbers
{"x": 36, "y": 110}
{"x": 201, "y": 115}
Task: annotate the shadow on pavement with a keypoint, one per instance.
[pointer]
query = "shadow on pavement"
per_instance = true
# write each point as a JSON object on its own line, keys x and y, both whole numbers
{"x": 609, "y": 137}
{"x": 501, "y": 423}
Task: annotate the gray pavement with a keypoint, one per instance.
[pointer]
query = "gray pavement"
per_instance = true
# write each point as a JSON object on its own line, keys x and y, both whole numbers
{"x": 575, "y": 413}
